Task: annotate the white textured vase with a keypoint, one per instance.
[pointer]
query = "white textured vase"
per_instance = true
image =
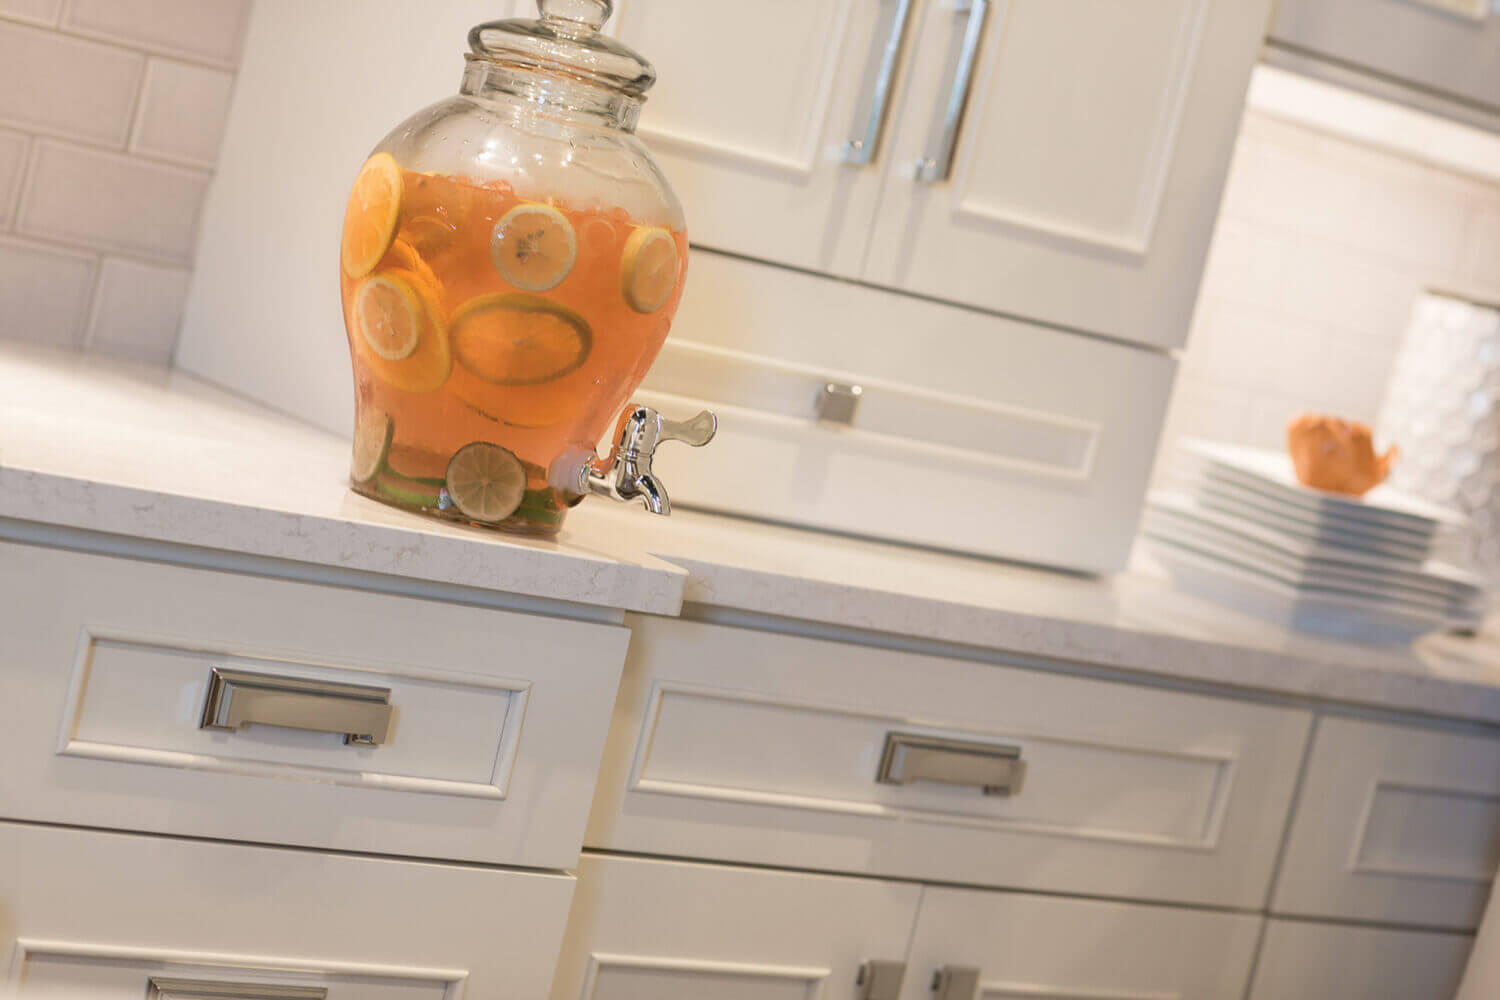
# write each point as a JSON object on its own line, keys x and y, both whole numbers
{"x": 1442, "y": 409}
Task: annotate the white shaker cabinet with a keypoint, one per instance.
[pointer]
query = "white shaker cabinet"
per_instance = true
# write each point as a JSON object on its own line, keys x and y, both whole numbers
{"x": 1061, "y": 160}
{"x": 1440, "y": 55}
{"x": 1077, "y": 180}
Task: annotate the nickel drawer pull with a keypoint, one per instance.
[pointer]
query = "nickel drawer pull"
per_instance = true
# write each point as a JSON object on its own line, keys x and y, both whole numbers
{"x": 956, "y": 982}
{"x": 863, "y": 151}
{"x": 995, "y": 768}
{"x": 880, "y": 980}
{"x": 236, "y": 698}
{"x": 940, "y": 165}
{"x": 161, "y": 988}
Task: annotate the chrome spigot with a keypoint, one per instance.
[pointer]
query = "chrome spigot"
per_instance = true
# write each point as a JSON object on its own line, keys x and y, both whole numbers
{"x": 626, "y": 474}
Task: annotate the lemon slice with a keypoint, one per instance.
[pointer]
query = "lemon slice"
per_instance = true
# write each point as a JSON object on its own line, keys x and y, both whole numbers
{"x": 533, "y": 247}
{"x": 511, "y": 338}
{"x": 372, "y": 442}
{"x": 395, "y": 328}
{"x": 648, "y": 269}
{"x": 486, "y": 482}
{"x": 390, "y": 314}
{"x": 371, "y": 217}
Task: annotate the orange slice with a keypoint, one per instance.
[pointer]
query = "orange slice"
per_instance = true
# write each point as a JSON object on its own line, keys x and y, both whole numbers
{"x": 648, "y": 269}
{"x": 395, "y": 327}
{"x": 511, "y": 338}
{"x": 370, "y": 220}
{"x": 485, "y": 481}
{"x": 534, "y": 248}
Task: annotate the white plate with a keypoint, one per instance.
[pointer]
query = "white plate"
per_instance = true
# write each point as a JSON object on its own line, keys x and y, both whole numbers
{"x": 1366, "y": 569}
{"x": 1360, "y": 621}
{"x": 1315, "y": 581}
{"x": 1325, "y": 536}
{"x": 1273, "y": 471}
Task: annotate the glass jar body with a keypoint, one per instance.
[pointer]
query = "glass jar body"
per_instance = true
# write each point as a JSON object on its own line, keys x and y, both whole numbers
{"x": 511, "y": 262}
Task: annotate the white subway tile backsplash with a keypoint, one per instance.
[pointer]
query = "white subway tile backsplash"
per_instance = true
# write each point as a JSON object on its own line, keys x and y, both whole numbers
{"x": 211, "y": 30}
{"x": 111, "y": 201}
{"x": 13, "y": 147}
{"x": 44, "y": 292}
{"x": 44, "y": 12}
{"x": 137, "y": 309}
{"x": 182, "y": 113}
{"x": 67, "y": 86}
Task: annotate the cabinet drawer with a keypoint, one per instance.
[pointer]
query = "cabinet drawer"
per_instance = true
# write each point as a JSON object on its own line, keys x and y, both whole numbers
{"x": 742, "y": 745}
{"x": 103, "y": 915}
{"x": 1309, "y": 961}
{"x": 1394, "y": 824}
{"x": 107, "y": 669}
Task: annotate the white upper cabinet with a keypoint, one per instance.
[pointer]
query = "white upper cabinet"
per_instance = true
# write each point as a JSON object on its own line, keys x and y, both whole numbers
{"x": 1443, "y": 55}
{"x": 753, "y": 113}
{"x": 1062, "y": 160}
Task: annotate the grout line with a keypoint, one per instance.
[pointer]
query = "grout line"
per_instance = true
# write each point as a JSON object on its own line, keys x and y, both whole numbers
{"x": 86, "y": 342}
{"x": 133, "y": 126}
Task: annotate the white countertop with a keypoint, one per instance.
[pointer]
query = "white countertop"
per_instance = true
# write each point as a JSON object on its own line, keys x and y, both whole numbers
{"x": 128, "y": 450}
{"x": 132, "y": 450}
{"x": 1135, "y": 621}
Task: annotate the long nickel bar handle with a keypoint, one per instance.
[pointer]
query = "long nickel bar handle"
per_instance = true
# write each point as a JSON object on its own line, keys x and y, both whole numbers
{"x": 860, "y": 152}
{"x": 908, "y": 757}
{"x": 163, "y": 988}
{"x": 237, "y": 698}
{"x": 939, "y": 166}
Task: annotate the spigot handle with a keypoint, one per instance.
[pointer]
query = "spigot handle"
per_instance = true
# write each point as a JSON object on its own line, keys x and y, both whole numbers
{"x": 696, "y": 431}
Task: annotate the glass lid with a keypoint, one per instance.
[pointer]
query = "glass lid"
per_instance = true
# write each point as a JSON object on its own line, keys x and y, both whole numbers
{"x": 565, "y": 41}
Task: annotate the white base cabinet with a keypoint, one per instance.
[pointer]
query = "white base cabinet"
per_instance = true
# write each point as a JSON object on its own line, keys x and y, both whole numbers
{"x": 644, "y": 929}
{"x": 109, "y": 916}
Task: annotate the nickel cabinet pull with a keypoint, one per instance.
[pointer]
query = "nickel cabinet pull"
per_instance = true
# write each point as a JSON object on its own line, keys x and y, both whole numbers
{"x": 939, "y": 166}
{"x": 956, "y": 982}
{"x": 237, "y": 698}
{"x": 996, "y": 768}
{"x": 860, "y": 152}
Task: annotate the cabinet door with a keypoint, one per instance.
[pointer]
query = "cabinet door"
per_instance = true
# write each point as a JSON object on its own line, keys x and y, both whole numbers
{"x": 1036, "y": 947}
{"x": 752, "y": 113}
{"x": 643, "y": 929}
{"x": 1087, "y": 166}
{"x": 1301, "y": 960}
{"x": 1450, "y": 47}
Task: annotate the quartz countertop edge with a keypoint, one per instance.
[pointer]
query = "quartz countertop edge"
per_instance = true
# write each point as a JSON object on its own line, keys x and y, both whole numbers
{"x": 1135, "y": 622}
{"x": 108, "y": 446}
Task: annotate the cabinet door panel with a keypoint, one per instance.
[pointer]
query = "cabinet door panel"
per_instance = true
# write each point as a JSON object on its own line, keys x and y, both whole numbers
{"x": 1088, "y": 167}
{"x": 1301, "y": 960}
{"x": 642, "y": 929}
{"x": 1045, "y": 948}
{"x": 751, "y": 115}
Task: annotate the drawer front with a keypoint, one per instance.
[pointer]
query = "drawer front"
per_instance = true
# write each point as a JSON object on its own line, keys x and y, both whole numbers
{"x": 112, "y": 916}
{"x": 1025, "y": 947}
{"x": 488, "y": 751}
{"x": 1301, "y": 960}
{"x": 751, "y": 746}
{"x": 1396, "y": 824}
{"x": 643, "y": 930}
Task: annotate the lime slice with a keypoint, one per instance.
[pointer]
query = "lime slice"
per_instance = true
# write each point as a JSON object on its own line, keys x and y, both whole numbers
{"x": 511, "y": 338}
{"x": 648, "y": 269}
{"x": 533, "y": 247}
{"x": 486, "y": 482}
{"x": 373, "y": 431}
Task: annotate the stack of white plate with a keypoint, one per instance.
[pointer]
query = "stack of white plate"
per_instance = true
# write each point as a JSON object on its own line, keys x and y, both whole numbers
{"x": 1244, "y": 532}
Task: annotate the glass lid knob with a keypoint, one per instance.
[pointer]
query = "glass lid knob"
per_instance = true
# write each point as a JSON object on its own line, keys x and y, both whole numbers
{"x": 590, "y": 14}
